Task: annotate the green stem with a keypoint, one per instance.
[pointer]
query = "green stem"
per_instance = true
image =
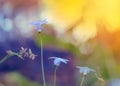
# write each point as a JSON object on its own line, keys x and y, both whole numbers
{"x": 55, "y": 75}
{"x": 5, "y": 58}
{"x": 8, "y": 56}
{"x": 83, "y": 77}
{"x": 98, "y": 79}
{"x": 16, "y": 54}
{"x": 42, "y": 64}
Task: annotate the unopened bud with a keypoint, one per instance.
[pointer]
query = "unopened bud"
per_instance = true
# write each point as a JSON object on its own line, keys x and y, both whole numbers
{"x": 9, "y": 52}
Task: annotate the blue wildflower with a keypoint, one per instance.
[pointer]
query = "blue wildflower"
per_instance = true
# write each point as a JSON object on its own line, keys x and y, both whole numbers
{"x": 39, "y": 24}
{"x": 114, "y": 82}
{"x": 85, "y": 70}
{"x": 58, "y": 60}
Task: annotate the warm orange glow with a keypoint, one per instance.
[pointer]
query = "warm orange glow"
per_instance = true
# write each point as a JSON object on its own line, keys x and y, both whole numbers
{"x": 65, "y": 13}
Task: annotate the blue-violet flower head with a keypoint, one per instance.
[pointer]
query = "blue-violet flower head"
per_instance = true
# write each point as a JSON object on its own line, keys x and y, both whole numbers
{"x": 85, "y": 70}
{"x": 39, "y": 24}
{"x": 58, "y": 60}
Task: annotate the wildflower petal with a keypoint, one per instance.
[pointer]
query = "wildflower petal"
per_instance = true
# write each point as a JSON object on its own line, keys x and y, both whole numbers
{"x": 52, "y": 57}
{"x": 30, "y": 51}
{"x": 85, "y": 70}
{"x": 58, "y": 60}
{"x": 39, "y": 24}
{"x": 23, "y": 49}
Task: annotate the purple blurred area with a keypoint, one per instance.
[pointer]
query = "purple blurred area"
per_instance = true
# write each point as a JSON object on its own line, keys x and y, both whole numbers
{"x": 32, "y": 69}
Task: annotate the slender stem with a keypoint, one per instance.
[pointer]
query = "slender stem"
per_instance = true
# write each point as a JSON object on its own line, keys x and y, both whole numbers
{"x": 8, "y": 56}
{"x": 17, "y": 54}
{"x": 102, "y": 84}
{"x": 5, "y": 58}
{"x": 83, "y": 77}
{"x": 42, "y": 64}
{"x": 55, "y": 75}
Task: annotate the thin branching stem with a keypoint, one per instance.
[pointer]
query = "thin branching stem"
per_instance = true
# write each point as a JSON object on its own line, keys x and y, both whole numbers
{"x": 8, "y": 56}
{"x": 5, "y": 58}
{"x": 55, "y": 75}
{"x": 42, "y": 64}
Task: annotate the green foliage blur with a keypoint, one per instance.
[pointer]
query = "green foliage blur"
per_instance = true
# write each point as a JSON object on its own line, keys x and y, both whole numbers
{"x": 16, "y": 79}
{"x": 101, "y": 59}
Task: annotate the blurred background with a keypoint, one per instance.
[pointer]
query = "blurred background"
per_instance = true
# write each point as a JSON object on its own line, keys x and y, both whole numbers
{"x": 84, "y": 31}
